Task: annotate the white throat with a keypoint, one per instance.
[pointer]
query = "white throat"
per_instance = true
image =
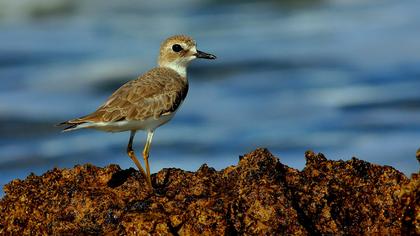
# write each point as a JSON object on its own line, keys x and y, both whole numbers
{"x": 179, "y": 64}
{"x": 178, "y": 67}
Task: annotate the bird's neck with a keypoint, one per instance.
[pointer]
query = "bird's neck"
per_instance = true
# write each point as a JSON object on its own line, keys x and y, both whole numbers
{"x": 179, "y": 65}
{"x": 180, "y": 69}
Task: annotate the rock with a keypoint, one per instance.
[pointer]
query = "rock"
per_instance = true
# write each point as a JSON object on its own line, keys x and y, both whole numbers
{"x": 410, "y": 200}
{"x": 258, "y": 196}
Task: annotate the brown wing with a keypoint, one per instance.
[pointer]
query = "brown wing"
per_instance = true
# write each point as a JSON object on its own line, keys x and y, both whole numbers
{"x": 159, "y": 91}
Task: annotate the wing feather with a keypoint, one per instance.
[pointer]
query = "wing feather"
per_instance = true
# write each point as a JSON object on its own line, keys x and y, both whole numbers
{"x": 158, "y": 92}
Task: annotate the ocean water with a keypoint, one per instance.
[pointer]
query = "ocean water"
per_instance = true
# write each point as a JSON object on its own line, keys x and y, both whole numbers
{"x": 337, "y": 77}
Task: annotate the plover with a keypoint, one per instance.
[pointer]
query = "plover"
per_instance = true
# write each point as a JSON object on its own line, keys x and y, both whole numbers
{"x": 149, "y": 101}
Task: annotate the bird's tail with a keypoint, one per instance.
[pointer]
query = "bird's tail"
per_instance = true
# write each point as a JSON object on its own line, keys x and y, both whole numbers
{"x": 71, "y": 125}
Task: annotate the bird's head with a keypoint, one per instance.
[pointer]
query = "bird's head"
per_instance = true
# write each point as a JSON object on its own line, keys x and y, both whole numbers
{"x": 178, "y": 51}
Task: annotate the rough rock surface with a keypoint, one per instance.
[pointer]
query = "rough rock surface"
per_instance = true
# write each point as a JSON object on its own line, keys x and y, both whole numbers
{"x": 259, "y": 196}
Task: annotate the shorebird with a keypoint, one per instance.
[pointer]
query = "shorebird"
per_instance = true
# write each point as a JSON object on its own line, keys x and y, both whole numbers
{"x": 147, "y": 102}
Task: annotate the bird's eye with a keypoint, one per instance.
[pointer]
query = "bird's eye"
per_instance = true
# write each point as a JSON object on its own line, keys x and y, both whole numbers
{"x": 176, "y": 48}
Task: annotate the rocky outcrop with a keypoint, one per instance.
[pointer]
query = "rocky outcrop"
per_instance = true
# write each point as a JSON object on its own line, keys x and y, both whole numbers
{"x": 258, "y": 196}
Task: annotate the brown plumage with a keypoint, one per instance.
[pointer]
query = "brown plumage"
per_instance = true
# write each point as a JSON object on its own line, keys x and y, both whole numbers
{"x": 158, "y": 92}
{"x": 148, "y": 101}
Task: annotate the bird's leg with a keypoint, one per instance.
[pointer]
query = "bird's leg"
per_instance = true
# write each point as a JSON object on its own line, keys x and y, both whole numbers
{"x": 146, "y": 155}
{"x": 132, "y": 155}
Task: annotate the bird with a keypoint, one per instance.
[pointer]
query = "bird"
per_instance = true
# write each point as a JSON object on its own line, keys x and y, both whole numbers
{"x": 147, "y": 102}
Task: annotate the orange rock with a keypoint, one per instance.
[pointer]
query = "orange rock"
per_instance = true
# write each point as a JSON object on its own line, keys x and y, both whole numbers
{"x": 258, "y": 196}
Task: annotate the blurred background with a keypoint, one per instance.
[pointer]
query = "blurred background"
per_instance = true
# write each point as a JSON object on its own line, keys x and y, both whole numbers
{"x": 335, "y": 76}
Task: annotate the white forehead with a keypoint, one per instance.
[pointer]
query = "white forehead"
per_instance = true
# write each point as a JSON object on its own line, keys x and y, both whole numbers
{"x": 194, "y": 49}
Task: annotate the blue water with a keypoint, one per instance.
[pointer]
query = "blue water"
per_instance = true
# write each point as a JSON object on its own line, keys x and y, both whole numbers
{"x": 338, "y": 77}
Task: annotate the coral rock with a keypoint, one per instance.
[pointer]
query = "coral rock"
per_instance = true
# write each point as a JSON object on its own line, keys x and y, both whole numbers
{"x": 259, "y": 196}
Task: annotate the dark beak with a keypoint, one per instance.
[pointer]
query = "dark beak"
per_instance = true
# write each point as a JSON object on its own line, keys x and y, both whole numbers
{"x": 204, "y": 55}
